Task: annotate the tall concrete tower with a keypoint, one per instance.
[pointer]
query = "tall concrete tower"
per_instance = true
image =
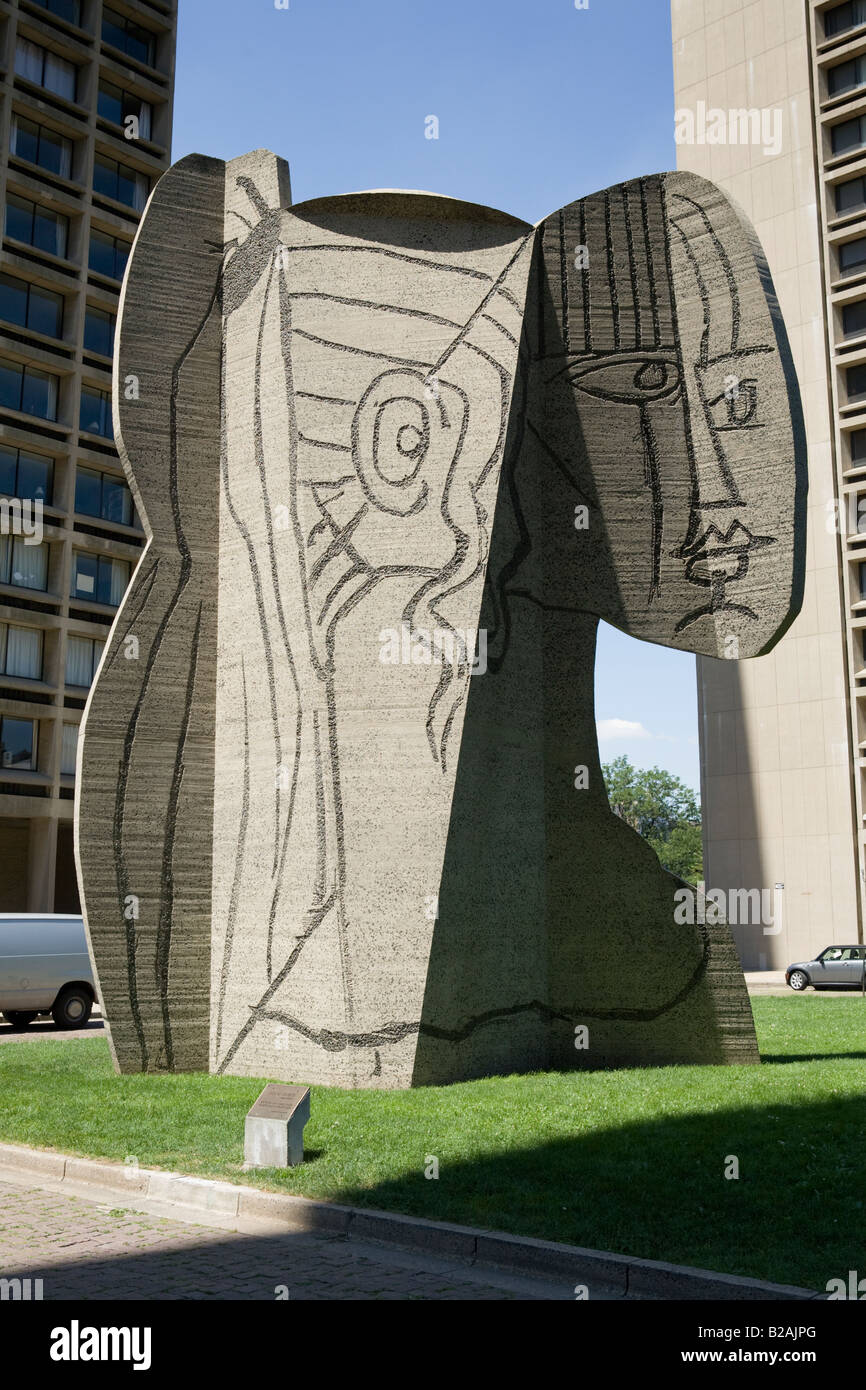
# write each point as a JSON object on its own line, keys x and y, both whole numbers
{"x": 771, "y": 104}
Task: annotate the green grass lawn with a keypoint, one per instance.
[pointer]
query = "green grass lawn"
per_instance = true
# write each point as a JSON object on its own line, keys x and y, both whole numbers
{"x": 630, "y": 1161}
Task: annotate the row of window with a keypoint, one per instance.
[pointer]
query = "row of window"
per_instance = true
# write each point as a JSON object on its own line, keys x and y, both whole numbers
{"x": 95, "y": 578}
{"x": 34, "y": 392}
{"x": 18, "y": 745}
{"x": 32, "y": 306}
{"x": 42, "y": 146}
{"x": 117, "y": 29}
{"x": 45, "y": 230}
{"x": 46, "y": 69}
{"x": 21, "y": 655}
{"x": 30, "y": 477}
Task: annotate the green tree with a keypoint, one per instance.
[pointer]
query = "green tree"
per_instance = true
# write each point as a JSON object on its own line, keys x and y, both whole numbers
{"x": 661, "y": 808}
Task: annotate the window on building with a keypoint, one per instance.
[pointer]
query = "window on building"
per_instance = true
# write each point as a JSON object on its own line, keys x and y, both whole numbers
{"x": 116, "y": 105}
{"x": 29, "y": 390}
{"x": 854, "y": 318}
{"x": 131, "y": 38}
{"x": 70, "y": 10}
{"x": 855, "y": 383}
{"x": 857, "y": 445}
{"x": 35, "y": 225}
{"x": 108, "y": 255}
{"x": 848, "y": 135}
{"x": 861, "y": 574}
{"x": 21, "y": 652}
{"x": 94, "y": 415}
{"x": 45, "y": 69}
{"x": 99, "y": 327}
{"x": 30, "y": 306}
{"x": 844, "y": 77}
{"x": 852, "y": 256}
{"x": 118, "y": 181}
{"x": 102, "y": 495}
{"x": 842, "y": 17}
{"x": 99, "y": 578}
{"x": 40, "y": 145}
{"x": 83, "y": 655}
{"x": 25, "y": 474}
{"x": 24, "y": 566}
{"x": 18, "y": 744}
{"x": 850, "y": 196}
{"x": 68, "y": 750}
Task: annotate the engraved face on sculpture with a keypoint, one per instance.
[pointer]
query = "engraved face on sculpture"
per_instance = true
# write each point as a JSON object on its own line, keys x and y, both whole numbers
{"x": 662, "y": 400}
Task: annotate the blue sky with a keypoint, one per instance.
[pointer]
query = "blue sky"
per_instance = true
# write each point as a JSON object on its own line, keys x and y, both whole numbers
{"x": 538, "y": 103}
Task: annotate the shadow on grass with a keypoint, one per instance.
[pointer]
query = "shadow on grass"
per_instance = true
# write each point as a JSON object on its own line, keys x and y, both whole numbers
{"x": 813, "y": 1056}
{"x": 657, "y": 1189}
{"x": 654, "y": 1189}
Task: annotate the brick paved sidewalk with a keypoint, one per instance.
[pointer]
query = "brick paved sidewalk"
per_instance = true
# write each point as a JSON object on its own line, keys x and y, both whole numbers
{"x": 88, "y": 1249}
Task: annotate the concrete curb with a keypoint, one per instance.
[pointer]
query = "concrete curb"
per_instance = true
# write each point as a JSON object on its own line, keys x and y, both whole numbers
{"x": 520, "y": 1254}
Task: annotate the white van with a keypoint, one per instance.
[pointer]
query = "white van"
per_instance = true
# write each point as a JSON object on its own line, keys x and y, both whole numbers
{"x": 45, "y": 968}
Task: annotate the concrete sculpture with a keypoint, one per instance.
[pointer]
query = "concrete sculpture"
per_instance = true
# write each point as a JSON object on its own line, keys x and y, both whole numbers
{"x": 341, "y": 817}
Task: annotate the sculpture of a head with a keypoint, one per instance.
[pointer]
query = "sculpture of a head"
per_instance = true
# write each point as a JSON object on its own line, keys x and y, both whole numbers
{"x": 393, "y": 411}
{"x": 663, "y": 432}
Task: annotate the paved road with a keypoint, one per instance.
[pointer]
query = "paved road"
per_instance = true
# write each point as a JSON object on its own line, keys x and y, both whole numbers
{"x": 86, "y": 1248}
{"x": 47, "y": 1028}
{"x": 773, "y": 982}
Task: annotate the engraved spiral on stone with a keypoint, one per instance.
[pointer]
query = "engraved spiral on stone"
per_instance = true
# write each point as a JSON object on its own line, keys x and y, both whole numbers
{"x": 400, "y": 427}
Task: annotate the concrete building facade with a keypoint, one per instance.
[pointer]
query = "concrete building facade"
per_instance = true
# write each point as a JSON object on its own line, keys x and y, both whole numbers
{"x": 85, "y": 131}
{"x": 771, "y": 105}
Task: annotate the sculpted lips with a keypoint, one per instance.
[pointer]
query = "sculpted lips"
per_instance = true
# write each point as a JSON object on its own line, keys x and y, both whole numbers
{"x": 715, "y": 554}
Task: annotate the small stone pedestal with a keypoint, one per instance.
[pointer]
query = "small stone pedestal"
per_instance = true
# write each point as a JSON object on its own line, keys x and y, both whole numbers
{"x": 274, "y": 1130}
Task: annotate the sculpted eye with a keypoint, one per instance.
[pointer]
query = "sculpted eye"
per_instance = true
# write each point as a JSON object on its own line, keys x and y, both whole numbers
{"x": 736, "y": 407}
{"x": 651, "y": 377}
{"x": 634, "y": 381}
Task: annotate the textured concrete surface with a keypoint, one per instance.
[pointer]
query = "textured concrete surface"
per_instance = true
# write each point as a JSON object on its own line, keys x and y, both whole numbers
{"x": 315, "y": 845}
{"x": 144, "y": 793}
